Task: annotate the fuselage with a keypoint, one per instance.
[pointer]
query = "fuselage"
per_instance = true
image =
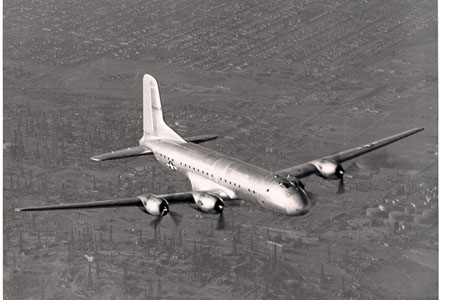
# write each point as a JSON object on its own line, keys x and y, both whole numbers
{"x": 209, "y": 170}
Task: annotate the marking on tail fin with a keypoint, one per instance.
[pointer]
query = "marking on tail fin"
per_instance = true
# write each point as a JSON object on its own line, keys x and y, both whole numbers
{"x": 153, "y": 120}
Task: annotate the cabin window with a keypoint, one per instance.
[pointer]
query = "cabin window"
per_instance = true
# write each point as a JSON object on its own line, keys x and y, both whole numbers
{"x": 203, "y": 172}
{"x": 225, "y": 180}
{"x": 267, "y": 189}
{"x": 253, "y": 192}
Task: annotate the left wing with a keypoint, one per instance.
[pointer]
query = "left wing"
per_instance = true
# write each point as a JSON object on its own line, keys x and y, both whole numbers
{"x": 86, "y": 205}
{"x": 140, "y": 202}
{"x": 311, "y": 167}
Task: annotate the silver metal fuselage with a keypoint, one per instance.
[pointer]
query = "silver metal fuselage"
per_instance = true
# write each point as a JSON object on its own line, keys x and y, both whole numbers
{"x": 211, "y": 171}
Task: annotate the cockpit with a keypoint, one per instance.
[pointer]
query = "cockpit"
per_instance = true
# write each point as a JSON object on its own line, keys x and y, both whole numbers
{"x": 284, "y": 183}
{"x": 288, "y": 182}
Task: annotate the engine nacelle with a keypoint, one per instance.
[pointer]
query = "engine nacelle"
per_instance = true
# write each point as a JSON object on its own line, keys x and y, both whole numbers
{"x": 154, "y": 205}
{"x": 208, "y": 203}
{"x": 329, "y": 169}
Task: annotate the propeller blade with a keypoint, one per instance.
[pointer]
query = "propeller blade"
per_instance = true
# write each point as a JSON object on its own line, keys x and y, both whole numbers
{"x": 175, "y": 217}
{"x": 156, "y": 221}
{"x": 341, "y": 186}
{"x": 221, "y": 222}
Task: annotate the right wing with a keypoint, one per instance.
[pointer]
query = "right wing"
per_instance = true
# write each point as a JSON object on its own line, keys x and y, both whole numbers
{"x": 176, "y": 198}
{"x": 142, "y": 150}
{"x": 309, "y": 168}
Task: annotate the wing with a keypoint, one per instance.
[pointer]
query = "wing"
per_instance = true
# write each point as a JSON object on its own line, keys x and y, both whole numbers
{"x": 142, "y": 150}
{"x": 309, "y": 168}
{"x": 177, "y": 198}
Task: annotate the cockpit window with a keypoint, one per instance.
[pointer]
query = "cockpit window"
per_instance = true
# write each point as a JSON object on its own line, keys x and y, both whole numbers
{"x": 285, "y": 185}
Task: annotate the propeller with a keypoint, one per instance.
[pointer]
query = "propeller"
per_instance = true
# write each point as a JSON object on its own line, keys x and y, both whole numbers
{"x": 218, "y": 207}
{"x": 176, "y": 217}
{"x": 340, "y": 174}
{"x": 221, "y": 221}
{"x": 155, "y": 222}
{"x": 164, "y": 210}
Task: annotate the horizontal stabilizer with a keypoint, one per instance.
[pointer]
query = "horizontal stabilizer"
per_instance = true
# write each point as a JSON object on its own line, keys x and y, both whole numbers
{"x": 123, "y": 153}
{"x": 201, "y": 138}
{"x": 142, "y": 150}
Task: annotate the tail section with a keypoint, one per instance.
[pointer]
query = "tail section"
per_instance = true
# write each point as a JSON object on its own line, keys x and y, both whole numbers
{"x": 155, "y": 127}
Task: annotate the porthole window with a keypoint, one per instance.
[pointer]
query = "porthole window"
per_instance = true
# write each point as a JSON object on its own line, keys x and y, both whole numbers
{"x": 267, "y": 189}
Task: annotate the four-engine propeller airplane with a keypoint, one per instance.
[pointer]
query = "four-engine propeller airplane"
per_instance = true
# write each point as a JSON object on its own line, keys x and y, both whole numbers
{"x": 216, "y": 178}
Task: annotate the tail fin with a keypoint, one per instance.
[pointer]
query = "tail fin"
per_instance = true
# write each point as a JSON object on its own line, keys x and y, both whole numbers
{"x": 154, "y": 125}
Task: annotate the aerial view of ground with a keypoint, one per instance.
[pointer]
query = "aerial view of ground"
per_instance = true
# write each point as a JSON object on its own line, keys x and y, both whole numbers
{"x": 280, "y": 82}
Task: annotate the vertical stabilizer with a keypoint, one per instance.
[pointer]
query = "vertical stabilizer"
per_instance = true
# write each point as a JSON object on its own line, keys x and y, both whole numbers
{"x": 155, "y": 128}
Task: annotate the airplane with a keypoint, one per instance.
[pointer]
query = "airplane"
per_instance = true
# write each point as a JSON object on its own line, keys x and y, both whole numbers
{"x": 216, "y": 178}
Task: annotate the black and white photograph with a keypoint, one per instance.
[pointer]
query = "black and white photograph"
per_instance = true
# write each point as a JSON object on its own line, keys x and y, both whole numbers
{"x": 205, "y": 149}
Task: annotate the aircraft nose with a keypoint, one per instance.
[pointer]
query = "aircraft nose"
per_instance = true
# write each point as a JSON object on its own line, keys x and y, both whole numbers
{"x": 297, "y": 205}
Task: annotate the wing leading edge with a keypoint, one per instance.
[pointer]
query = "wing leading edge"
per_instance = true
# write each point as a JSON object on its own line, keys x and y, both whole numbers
{"x": 309, "y": 168}
{"x": 177, "y": 198}
{"x": 86, "y": 205}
